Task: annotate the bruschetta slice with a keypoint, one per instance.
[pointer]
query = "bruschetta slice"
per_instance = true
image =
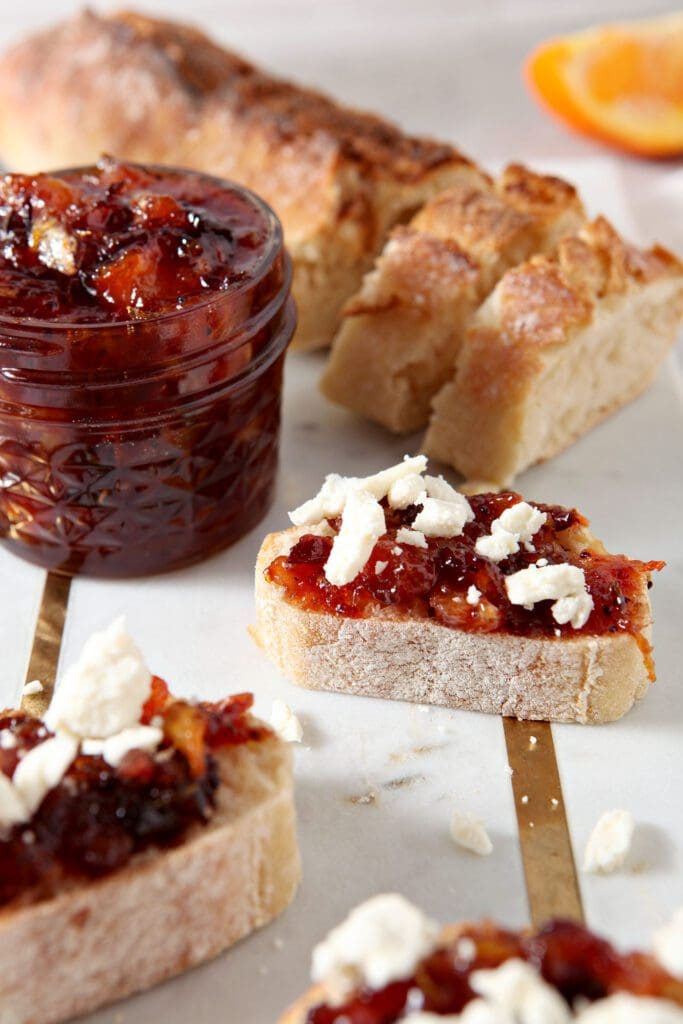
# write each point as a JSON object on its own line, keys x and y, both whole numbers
{"x": 396, "y": 585}
{"x": 139, "y": 835}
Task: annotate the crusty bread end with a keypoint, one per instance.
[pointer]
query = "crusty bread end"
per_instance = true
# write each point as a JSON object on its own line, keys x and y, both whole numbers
{"x": 168, "y": 910}
{"x": 587, "y": 679}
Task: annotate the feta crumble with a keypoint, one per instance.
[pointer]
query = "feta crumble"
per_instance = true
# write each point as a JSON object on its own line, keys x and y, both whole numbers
{"x": 609, "y": 842}
{"x": 285, "y": 723}
{"x": 563, "y": 584}
{"x": 469, "y": 833}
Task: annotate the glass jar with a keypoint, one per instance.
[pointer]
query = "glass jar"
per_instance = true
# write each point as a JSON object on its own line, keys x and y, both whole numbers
{"x": 141, "y": 445}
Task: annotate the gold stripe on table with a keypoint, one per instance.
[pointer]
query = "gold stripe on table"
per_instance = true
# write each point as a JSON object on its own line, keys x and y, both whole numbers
{"x": 551, "y": 881}
{"x": 47, "y": 641}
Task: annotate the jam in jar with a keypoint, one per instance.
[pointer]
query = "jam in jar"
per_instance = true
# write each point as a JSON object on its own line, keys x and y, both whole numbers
{"x": 144, "y": 317}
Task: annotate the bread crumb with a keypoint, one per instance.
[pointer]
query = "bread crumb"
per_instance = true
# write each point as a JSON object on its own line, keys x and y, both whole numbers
{"x": 365, "y": 798}
{"x": 525, "y": 799}
{"x": 533, "y": 740}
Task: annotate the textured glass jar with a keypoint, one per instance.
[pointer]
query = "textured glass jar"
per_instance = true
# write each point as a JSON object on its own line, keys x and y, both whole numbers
{"x": 139, "y": 446}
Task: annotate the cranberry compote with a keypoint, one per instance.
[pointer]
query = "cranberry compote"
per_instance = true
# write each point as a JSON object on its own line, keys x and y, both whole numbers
{"x": 144, "y": 314}
{"x": 98, "y": 817}
{"x": 433, "y": 582}
{"x": 581, "y": 966}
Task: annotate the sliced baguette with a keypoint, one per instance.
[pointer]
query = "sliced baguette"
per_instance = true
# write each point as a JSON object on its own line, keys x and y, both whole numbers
{"x": 561, "y": 343}
{"x": 587, "y": 679}
{"x": 158, "y": 91}
{"x": 168, "y": 910}
{"x": 401, "y": 334}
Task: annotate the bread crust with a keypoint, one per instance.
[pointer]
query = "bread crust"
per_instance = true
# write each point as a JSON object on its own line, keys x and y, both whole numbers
{"x": 561, "y": 343}
{"x": 158, "y": 91}
{"x": 165, "y": 912}
{"x": 584, "y": 679}
{"x": 403, "y": 330}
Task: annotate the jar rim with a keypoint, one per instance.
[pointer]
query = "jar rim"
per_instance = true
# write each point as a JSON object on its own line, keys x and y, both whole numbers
{"x": 272, "y": 246}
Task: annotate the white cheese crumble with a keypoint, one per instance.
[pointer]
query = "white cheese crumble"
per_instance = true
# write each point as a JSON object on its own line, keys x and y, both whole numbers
{"x": 667, "y": 944}
{"x": 609, "y": 842}
{"x": 563, "y": 584}
{"x": 103, "y": 693}
{"x": 380, "y": 567}
{"x": 331, "y": 498}
{"x": 8, "y": 740}
{"x": 515, "y": 526}
{"x": 624, "y": 1008}
{"x": 361, "y": 527}
{"x": 439, "y": 518}
{"x": 285, "y": 723}
{"x": 114, "y": 748}
{"x": 518, "y": 989}
{"x": 35, "y": 686}
{"x": 443, "y": 512}
{"x": 411, "y": 537}
{"x": 469, "y": 833}
{"x": 473, "y": 595}
{"x": 379, "y": 942}
{"x": 42, "y": 768}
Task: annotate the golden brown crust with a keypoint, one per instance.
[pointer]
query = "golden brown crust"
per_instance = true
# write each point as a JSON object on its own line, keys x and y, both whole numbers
{"x": 153, "y": 90}
{"x": 403, "y": 330}
{"x": 562, "y": 342}
{"x": 167, "y": 911}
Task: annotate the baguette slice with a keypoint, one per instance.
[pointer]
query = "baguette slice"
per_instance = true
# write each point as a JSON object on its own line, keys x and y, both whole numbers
{"x": 401, "y": 334}
{"x": 165, "y": 912}
{"x": 158, "y": 91}
{"x": 586, "y": 679}
{"x": 561, "y": 343}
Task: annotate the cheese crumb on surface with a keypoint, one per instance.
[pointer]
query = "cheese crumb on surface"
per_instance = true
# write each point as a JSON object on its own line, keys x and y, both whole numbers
{"x": 380, "y": 567}
{"x": 35, "y": 686}
{"x": 114, "y": 748}
{"x": 473, "y": 595}
{"x": 563, "y": 584}
{"x": 379, "y": 942}
{"x": 411, "y": 537}
{"x": 469, "y": 833}
{"x": 609, "y": 843}
{"x": 103, "y": 693}
{"x": 517, "y": 988}
{"x": 284, "y": 722}
{"x": 42, "y": 768}
{"x": 667, "y": 944}
{"x": 515, "y": 526}
{"x": 361, "y": 527}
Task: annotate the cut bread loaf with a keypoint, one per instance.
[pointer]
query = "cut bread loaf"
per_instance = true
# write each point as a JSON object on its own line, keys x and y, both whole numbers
{"x": 168, "y": 910}
{"x": 157, "y": 91}
{"x": 401, "y": 333}
{"x": 563, "y": 341}
{"x": 586, "y": 679}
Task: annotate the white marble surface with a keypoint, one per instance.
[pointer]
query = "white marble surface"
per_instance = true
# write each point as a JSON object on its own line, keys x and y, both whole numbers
{"x": 452, "y": 69}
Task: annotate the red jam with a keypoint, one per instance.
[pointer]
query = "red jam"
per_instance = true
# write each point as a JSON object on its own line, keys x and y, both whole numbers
{"x": 144, "y": 314}
{"x": 433, "y": 582}
{"x": 577, "y": 963}
{"x": 98, "y": 817}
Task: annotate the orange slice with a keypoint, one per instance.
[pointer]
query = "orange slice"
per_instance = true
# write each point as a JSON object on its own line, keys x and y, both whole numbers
{"x": 619, "y": 83}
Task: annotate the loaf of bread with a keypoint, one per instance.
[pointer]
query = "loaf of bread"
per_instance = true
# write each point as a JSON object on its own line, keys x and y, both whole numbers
{"x": 401, "y": 333}
{"x": 157, "y": 91}
{"x": 168, "y": 910}
{"x": 563, "y": 341}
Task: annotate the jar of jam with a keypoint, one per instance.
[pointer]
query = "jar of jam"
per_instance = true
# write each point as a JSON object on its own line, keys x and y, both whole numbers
{"x": 144, "y": 317}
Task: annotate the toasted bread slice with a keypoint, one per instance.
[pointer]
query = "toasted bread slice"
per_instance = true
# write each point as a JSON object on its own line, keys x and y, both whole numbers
{"x": 401, "y": 334}
{"x": 586, "y": 679}
{"x": 561, "y": 343}
{"x": 168, "y": 910}
{"x": 157, "y": 91}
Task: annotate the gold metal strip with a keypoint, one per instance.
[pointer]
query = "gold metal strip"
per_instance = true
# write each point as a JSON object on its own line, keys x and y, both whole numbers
{"x": 551, "y": 881}
{"x": 47, "y": 641}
